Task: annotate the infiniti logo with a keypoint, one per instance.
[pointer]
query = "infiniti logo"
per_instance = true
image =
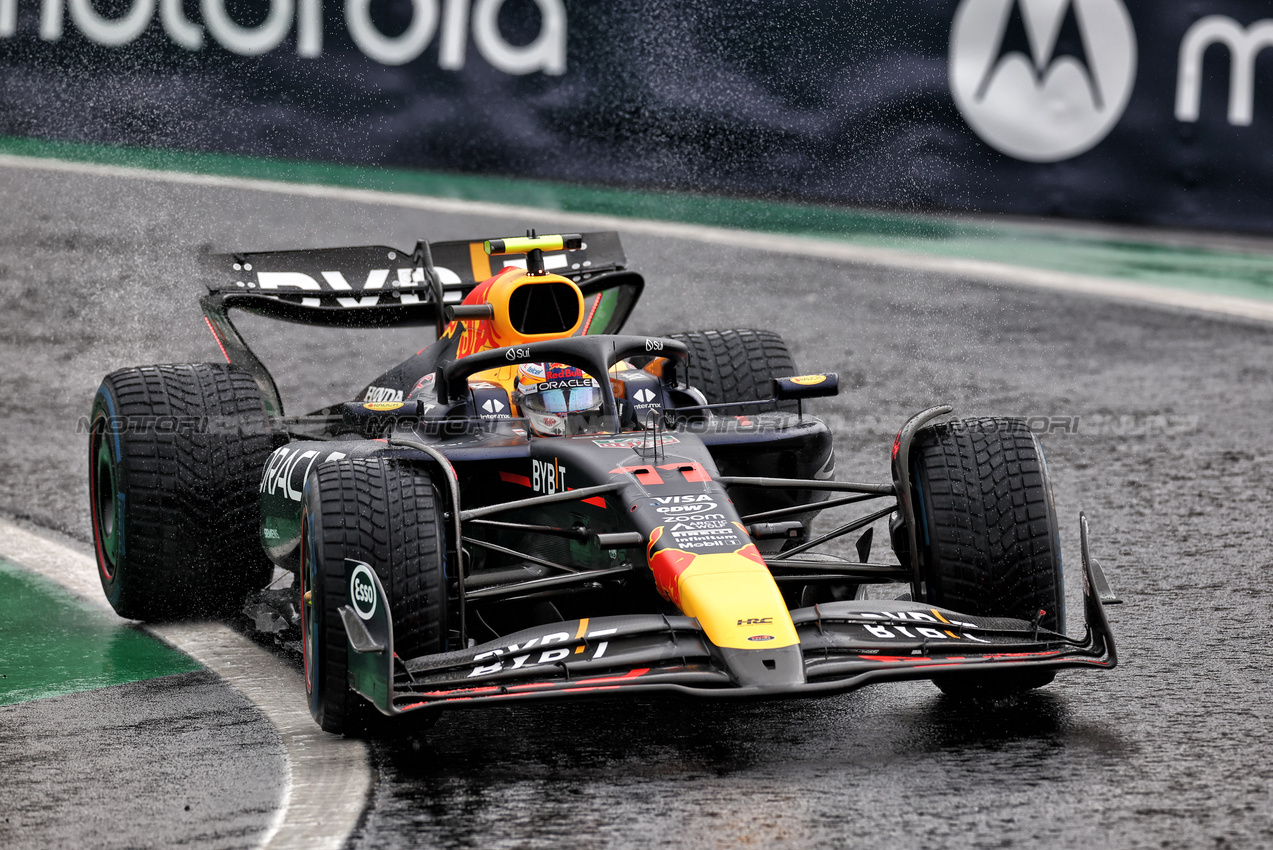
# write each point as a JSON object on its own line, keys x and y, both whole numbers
{"x": 1042, "y": 80}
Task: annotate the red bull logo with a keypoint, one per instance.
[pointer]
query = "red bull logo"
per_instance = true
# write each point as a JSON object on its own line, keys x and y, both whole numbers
{"x": 559, "y": 372}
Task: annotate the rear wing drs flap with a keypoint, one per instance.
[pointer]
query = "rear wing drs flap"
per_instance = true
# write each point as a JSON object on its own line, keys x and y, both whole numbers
{"x": 382, "y": 287}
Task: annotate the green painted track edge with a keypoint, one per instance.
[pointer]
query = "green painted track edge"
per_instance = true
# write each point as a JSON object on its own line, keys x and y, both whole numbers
{"x": 73, "y": 646}
{"x": 1205, "y": 270}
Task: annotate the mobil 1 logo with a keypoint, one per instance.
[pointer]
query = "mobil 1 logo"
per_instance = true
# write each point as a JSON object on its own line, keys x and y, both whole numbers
{"x": 362, "y": 592}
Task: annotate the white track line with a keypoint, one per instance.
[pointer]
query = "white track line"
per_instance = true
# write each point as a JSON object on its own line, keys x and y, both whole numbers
{"x": 329, "y": 779}
{"x": 1002, "y": 273}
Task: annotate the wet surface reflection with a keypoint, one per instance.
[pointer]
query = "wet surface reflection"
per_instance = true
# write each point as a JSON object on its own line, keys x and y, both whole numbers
{"x": 673, "y": 773}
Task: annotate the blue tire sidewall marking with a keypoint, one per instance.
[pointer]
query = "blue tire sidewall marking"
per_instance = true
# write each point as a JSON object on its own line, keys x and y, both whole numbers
{"x": 921, "y": 519}
{"x": 313, "y": 639}
{"x": 116, "y": 483}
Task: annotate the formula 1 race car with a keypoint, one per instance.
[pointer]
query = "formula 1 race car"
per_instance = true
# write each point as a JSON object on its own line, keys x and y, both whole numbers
{"x": 535, "y": 506}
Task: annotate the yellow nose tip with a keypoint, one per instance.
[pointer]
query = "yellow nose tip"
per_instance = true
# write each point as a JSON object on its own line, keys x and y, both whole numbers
{"x": 736, "y": 602}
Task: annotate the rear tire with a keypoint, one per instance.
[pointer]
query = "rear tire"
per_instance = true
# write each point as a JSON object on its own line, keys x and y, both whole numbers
{"x": 737, "y": 365}
{"x": 388, "y": 516}
{"x": 987, "y": 534}
{"x": 175, "y": 460}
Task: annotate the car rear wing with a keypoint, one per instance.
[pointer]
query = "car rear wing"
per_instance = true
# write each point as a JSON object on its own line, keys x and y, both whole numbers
{"x": 382, "y": 287}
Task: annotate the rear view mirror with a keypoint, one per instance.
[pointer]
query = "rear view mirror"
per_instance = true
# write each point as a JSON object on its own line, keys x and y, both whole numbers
{"x": 806, "y": 386}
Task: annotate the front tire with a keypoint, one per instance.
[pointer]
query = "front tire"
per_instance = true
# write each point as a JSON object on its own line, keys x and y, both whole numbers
{"x": 388, "y": 516}
{"x": 175, "y": 460}
{"x": 737, "y": 365}
{"x": 987, "y": 534}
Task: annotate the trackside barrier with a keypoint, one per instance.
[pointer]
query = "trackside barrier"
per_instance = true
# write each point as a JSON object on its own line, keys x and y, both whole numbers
{"x": 1154, "y": 111}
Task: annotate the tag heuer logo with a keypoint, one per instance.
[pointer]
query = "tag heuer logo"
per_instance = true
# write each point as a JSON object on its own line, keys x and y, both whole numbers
{"x": 1042, "y": 80}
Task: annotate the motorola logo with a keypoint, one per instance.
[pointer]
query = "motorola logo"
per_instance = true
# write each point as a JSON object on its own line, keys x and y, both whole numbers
{"x": 451, "y": 20}
{"x": 1042, "y": 80}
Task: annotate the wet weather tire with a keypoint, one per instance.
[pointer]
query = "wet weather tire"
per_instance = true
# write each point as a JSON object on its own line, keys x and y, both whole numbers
{"x": 175, "y": 460}
{"x": 388, "y": 516}
{"x": 737, "y": 365}
{"x": 987, "y": 534}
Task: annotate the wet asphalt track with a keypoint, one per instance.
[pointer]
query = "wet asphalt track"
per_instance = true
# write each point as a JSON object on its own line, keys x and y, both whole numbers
{"x": 1171, "y": 461}
{"x": 178, "y": 761}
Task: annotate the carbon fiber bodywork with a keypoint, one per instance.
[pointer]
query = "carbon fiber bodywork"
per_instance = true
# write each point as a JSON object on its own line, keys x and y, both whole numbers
{"x": 660, "y": 544}
{"x": 843, "y": 646}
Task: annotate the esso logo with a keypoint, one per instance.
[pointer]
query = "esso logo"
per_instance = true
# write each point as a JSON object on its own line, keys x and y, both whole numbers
{"x": 653, "y": 345}
{"x": 362, "y": 592}
{"x": 1042, "y": 80}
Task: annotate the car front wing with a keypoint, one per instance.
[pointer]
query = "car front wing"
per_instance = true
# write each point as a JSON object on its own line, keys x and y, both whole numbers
{"x": 842, "y": 646}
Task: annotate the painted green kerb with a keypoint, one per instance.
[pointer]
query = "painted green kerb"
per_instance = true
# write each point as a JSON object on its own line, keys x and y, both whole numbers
{"x": 52, "y": 644}
{"x": 1200, "y": 269}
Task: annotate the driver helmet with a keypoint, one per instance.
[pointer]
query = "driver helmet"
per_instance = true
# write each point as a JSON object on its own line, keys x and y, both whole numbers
{"x": 557, "y": 399}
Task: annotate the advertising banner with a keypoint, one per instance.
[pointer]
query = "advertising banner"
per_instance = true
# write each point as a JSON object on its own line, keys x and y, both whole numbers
{"x": 1153, "y": 111}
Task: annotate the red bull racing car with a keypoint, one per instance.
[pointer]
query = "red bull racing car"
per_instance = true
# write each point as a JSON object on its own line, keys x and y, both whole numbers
{"x": 536, "y": 506}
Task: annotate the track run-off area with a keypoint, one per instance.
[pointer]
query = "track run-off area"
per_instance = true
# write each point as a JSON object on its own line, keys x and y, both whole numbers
{"x": 317, "y": 797}
{"x": 1152, "y": 403}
